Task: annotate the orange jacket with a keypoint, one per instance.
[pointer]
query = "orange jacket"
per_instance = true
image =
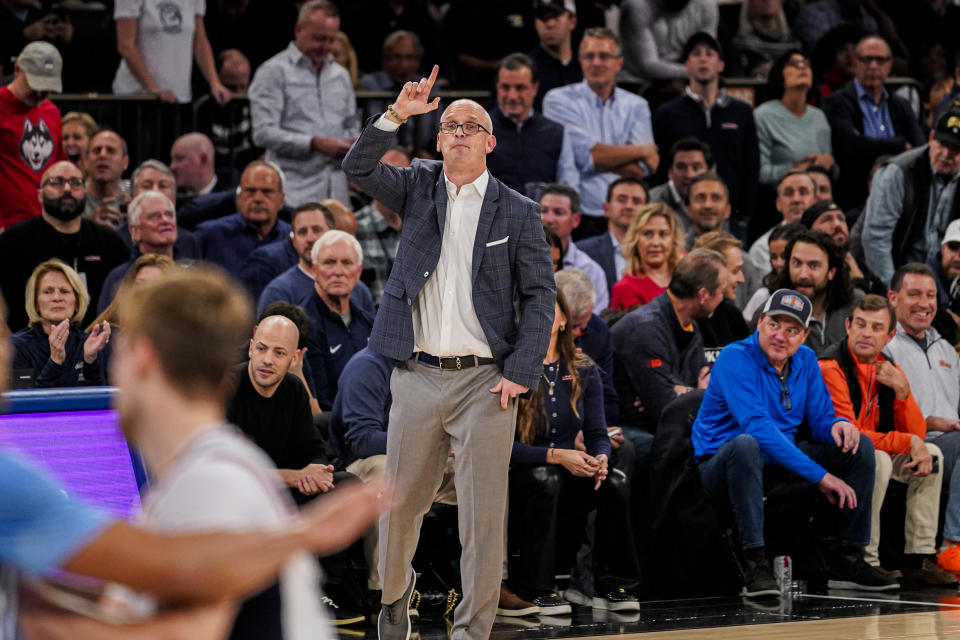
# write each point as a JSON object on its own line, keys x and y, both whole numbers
{"x": 907, "y": 418}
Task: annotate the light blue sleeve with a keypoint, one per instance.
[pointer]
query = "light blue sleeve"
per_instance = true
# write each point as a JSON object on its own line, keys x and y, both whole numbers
{"x": 267, "y": 96}
{"x": 560, "y": 107}
{"x": 882, "y": 213}
{"x": 40, "y": 526}
{"x": 642, "y": 130}
{"x": 567, "y": 172}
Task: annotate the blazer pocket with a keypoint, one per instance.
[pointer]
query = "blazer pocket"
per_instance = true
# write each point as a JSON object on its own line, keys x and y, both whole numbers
{"x": 500, "y": 241}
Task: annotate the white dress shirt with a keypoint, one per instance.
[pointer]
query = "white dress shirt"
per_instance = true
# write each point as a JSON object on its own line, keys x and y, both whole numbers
{"x": 444, "y": 320}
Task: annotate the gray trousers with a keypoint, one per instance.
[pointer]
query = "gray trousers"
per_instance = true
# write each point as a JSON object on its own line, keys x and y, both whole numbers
{"x": 433, "y": 413}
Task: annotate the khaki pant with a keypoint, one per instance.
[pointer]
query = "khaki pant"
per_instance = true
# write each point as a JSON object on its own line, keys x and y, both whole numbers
{"x": 435, "y": 411}
{"x": 923, "y": 503}
{"x": 374, "y": 467}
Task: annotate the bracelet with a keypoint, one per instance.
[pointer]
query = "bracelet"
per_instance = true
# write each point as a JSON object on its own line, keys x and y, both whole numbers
{"x": 549, "y": 455}
{"x": 393, "y": 113}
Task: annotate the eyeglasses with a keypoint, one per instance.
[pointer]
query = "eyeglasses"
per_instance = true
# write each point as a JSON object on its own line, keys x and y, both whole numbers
{"x": 602, "y": 57}
{"x": 469, "y": 128}
{"x": 57, "y": 182}
{"x": 878, "y": 59}
{"x": 798, "y": 63}
{"x": 953, "y": 246}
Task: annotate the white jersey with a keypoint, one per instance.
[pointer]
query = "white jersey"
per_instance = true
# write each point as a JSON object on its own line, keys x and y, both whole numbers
{"x": 222, "y": 482}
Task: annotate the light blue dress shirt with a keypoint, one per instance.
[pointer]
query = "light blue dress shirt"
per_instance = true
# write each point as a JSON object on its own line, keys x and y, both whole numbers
{"x": 621, "y": 120}
{"x": 290, "y": 104}
{"x": 876, "y": 117}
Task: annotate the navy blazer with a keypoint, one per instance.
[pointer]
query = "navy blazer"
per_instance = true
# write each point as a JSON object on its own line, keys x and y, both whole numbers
{"x": 600, "y": 248}
{"x": 508, "y": 277}
{"x": 855, "y": 153}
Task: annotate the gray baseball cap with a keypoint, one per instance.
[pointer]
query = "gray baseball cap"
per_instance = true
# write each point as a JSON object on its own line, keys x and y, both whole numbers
{"x": 42, "y": 64}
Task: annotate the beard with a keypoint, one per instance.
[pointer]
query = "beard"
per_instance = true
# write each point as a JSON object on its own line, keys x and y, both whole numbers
{"x": 61, "y": 209}
{"x": 819, "y": 289}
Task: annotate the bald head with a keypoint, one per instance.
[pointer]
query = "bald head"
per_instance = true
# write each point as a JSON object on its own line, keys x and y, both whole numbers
{"x": 273, "y": 350}
{"x": 191, "y": 159}
{"x": 64, "y": 168}
{"x": 474, "y": 108}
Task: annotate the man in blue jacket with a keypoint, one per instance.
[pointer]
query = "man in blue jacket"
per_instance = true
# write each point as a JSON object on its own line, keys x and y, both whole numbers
{"x": 761, "y": 389}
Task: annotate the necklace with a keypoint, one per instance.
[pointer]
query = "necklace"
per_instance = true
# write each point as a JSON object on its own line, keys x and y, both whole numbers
{"x": 552, "y": 383}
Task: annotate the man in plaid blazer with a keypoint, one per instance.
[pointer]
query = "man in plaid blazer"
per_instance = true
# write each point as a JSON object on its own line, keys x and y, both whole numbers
{"x": 467, "y": 314}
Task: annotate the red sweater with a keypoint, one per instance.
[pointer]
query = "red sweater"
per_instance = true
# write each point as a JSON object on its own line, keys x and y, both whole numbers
{"x": 31, "y": 139}
{"x": 630, "y": 291}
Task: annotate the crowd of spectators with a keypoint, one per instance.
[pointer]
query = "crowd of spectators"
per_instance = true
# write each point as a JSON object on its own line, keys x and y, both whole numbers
{"x": 702, "y": 242}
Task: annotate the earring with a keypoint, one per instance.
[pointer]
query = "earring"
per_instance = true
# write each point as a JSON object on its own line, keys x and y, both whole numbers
{"x": 562, "y": 327}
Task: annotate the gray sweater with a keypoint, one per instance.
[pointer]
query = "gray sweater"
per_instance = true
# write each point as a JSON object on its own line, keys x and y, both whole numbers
{"x": 784, "y": 138}
{"x": 653, "y": 39}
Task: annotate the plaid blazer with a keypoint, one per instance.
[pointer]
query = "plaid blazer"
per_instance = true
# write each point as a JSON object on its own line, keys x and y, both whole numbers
{"x": 512, "y": 272}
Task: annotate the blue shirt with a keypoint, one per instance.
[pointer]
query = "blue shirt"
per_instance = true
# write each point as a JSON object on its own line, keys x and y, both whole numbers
{"x": 266, "y": 263}
{"x": 588, "y": 120}
{"x": 331, "y": 344}
{"x": 40, "y": 528}
{"x": 228, "y": 241}
{"x": 296, "y": 286}
{"x": 361, "y": 410}
{"x": 745, "y": 396}
{"x": 876, "y": 117}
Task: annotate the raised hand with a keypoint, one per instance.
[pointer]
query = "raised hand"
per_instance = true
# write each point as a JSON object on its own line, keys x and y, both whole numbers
{"x": 414, "y": 97}
{"x": 58, "y": 341}
{"x": 96, "y": 341}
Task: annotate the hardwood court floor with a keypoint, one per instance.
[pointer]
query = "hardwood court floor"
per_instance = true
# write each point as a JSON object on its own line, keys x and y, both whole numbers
{"x": 835, "y": 615}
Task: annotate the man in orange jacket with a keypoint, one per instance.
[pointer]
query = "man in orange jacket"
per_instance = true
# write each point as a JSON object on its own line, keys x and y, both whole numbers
{"x": 873, "y": 393}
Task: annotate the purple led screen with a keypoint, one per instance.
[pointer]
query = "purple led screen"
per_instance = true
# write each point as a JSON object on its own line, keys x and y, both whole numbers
{"x": 84, "y": 450}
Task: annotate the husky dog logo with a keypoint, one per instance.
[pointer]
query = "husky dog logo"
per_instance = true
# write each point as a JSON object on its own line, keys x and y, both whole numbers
{"x": 171, "y": 19}
{"x": 36, "y": 145}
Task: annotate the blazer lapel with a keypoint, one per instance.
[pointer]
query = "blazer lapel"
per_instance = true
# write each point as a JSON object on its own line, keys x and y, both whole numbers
{"x": 487, "y": 212}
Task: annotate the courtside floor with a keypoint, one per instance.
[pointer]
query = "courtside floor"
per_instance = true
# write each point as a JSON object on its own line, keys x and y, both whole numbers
{"x": 834, "y": 615}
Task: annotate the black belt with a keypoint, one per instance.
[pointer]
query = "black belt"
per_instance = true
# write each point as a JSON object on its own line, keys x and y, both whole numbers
{"x": 453, "y": 362}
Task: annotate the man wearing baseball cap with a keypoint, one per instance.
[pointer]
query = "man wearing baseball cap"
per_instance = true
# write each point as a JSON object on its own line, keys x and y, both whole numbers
{"x": 761, "y": 389}
{"x": 707, "y": 112}
{"x": 913, "y": 199}
{"x": 30, "y": 130}
{"x": 945, "y": 265}
{"x": 554, "y": 56}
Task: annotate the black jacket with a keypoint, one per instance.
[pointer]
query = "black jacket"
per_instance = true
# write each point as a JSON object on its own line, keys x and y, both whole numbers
{"x": 731, "y": 135}
{"x": 854, "y": 152}
{"x": 527, "y": 152}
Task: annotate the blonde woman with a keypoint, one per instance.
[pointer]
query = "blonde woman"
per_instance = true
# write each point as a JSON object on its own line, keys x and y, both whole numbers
{"x": 345, "y": 55}
{"x": 652, "y": 248}
{"x": 52, "y": 349}
{"x": 146, "y": 268}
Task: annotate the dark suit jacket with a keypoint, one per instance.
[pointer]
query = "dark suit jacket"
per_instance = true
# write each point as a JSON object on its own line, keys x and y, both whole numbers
{"x": 511, "y": 276}
{"x": 854, "y": 152}
{"x": 600, "y": 248}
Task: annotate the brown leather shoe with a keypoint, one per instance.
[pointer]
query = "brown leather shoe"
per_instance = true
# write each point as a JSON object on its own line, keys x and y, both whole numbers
{"x": 893, "y": 573}
{"x": 929, "y": 573}
{"x": 513, "y": 606}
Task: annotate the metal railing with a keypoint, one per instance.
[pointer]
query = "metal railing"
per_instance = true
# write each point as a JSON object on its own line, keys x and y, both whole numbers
{"x": 150, "y": 126}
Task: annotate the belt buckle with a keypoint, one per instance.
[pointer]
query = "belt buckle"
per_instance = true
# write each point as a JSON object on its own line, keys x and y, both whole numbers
{"x": 459, "y": 364}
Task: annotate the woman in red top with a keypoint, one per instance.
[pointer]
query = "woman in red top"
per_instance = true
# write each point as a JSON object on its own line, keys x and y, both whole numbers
{"x": 652, "y": 247}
